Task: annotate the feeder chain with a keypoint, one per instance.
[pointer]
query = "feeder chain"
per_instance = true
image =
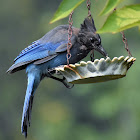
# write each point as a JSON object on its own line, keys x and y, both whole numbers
{"x": 89, "y": 15}
{"x": 88, "y": 7}
{"x": 92, "y": 55}
{"x": 124, "y": 40}
{"x": 69, "y": 44}
{"x": 125, "y": 43}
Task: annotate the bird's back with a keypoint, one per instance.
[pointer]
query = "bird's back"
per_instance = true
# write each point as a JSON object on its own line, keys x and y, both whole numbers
{"x": 52, "y": 43}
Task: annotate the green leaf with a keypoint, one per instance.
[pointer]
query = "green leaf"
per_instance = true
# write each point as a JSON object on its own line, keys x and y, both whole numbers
{"x": 122, "y": 19}
{"x": 65, "y": 8}
{"x": 110, "y": 5}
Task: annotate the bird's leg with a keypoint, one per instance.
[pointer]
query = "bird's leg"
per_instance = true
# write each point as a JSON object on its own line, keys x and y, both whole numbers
{"x": 62, "y": 80}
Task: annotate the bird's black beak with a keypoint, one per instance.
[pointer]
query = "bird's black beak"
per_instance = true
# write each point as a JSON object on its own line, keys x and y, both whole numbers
{"x": 101, "y": 50}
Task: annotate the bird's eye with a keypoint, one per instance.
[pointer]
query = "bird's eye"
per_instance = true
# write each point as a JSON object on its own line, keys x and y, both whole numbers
{"x": 92, "y": 40}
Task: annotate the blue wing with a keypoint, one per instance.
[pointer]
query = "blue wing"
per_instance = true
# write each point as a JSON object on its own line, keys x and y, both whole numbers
{"x": 31, "y": 47}
{"x": 44, "y": 49}
{"x": 36, "y": 51}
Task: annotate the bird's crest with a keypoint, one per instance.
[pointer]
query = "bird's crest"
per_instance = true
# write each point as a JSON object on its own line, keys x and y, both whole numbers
{"x": 88, "y": 25}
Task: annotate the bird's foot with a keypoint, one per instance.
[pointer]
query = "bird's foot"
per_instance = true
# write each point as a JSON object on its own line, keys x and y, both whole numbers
{"x": 66, "y": 83}
{"x": 63, "y": 81}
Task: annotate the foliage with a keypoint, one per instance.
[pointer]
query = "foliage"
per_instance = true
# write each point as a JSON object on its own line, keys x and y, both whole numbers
{"x": 65, "y": 8}
{"x": 122, "y": 19}
{"x": 110, "y": 5}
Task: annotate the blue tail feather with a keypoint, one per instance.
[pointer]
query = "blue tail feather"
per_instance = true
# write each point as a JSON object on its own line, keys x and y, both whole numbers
{"x": 33, "y": 83}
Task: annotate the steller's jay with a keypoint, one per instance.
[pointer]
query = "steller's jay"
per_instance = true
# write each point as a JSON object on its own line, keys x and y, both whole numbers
{"x": 49, "y": 52}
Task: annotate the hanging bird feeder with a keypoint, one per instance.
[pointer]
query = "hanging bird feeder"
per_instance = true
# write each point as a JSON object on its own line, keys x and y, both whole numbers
{"x": 98, "y": 70}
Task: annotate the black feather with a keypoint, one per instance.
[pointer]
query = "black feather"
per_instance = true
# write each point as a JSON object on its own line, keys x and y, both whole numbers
{"x": 88, "y": 25}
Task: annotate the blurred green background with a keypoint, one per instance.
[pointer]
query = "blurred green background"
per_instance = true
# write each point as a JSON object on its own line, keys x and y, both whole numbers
{"x": 101, "y": 111}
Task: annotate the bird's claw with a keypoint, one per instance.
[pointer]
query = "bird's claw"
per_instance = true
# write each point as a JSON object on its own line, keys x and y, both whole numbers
{"x": 66, "y": 83}
{"x": 63, "y": 80}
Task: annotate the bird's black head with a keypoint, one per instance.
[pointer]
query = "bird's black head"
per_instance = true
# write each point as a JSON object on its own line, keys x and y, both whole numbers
{"x": 89, "y": 37}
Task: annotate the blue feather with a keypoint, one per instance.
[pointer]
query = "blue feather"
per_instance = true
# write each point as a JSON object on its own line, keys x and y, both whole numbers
{"x": 31, "y": 47}
{"x": 37, "y": 52}
{"x": 33, "y": 82}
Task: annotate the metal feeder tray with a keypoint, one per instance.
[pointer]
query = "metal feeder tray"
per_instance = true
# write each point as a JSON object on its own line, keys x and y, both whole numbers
{"x": 98, "y": 71}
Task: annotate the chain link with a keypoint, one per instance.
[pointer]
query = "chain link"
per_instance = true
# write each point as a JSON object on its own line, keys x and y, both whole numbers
{"x": 88, "y": 7}
{"x": 89, "y": 15}
{"x": 125, "y": 43}
{"x": 69, "y": 44}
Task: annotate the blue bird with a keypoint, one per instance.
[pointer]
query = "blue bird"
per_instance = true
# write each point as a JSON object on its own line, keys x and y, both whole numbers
{"x": 49, "y": 52}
